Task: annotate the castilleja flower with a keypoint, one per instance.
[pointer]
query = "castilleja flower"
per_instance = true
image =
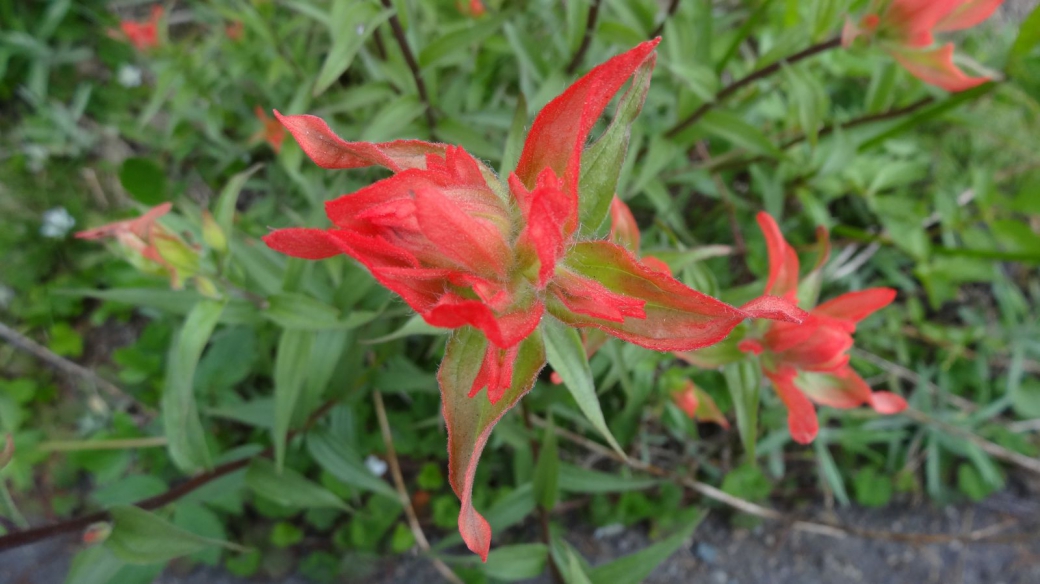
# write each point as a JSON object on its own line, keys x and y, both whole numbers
{"x": 808, "y": 361}
{"x": 143, "y": 35}
{"x": 471, "y": 8}
{"x": 905, "y": 28}
{"x": 492, "y": 258}
{"x": 273, "y": 132}
{"x": 149, "y": 246}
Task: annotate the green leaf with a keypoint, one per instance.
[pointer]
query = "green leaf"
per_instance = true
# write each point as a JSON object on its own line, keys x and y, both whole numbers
{"x": 165, "y": 300}
{"x": 747, "y": 481}
{"x": 1022, "y": 64}
{"x": 829, "y": 472}
{"x": 547, "y": 470}
{"x": 471, "y": 419}
{"x": 810, "y": 100}
{"x": 94, "y": 565}
{"x": 291, "y": 310}
{"x": 567, "y": 357}
{"x": 414, "y": 326}
{"x": 289, "y": 488}
{"x": 144, "y": 180}
{"x": 571, "y": 567}
{"x": 734, "y": 129}
{"x": 290, "y": 372}
{"x": 743, "y": 379}
{"x": 517, "y": 562}
{"x": 601, "y": 162}
{"x": 458, "y": 40}
{"x": 186, "y": 440}
{"x": 140, "y": 537}
{"x": 634, "y": 568}
{"x": 742, "y": 34}
{"x": 872, "y": 488}
{"x": 574, "y": 479}
{"x": 224, "y": 211}
{"x": 344, "y": 464}
{"x": 927, "y": 113}
{"x": 350, "y": 25}
{"x": 515, "y": 138}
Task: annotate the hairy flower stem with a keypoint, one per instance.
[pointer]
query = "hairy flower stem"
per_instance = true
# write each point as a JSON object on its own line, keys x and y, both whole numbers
{"x": 586, "y": 39}
{"x": 413, "y": 65}
{"x": 728, "y": 91}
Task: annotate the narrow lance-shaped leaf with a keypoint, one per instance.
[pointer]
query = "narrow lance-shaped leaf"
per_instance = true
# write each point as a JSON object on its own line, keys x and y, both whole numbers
{"x": 289, "y": 487}
{"x": 290, "y": 372}
{"x": 185, "y": 437}
{"x": 744, "y": 380}
{"x": 601, "y": 163}
{"x": 634, "y": 568}
{"x": 140, "y": 537}
{"x": 337, "y": 458}
{"x": 547, "y": 471}
{"x": 566, "y": 355}
{"x": 470, "y": 420}
{"x": 352, "y": 24}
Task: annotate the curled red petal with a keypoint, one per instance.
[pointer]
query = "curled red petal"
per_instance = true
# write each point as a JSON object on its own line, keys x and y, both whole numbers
{"x": 503, "y": 330}
{"x": 547, "y": 210}
{"x": 300, "y": 242}
{"x": 783, "y": 261}
{"x": 855, "y": 306}
{"x": 328, "y": 150}
{"x": 558, "y": 134}
{"x": 801, "y": 415}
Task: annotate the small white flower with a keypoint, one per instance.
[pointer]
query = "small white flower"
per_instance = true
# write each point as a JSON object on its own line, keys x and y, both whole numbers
{"x": 375, "y": 465}
{"x": 56, "y": 223}
{"x": 129, "y": 76}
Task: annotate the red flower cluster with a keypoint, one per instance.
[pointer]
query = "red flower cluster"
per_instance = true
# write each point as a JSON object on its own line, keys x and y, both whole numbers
{"x": 466, "y": 249}
{"x": 809, "y": 360}
{"x": 143, "y": 35}
{"x": 905, "y": 29}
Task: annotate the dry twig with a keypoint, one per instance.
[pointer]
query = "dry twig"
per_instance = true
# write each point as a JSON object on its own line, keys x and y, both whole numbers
{"x": 402, "y": 492}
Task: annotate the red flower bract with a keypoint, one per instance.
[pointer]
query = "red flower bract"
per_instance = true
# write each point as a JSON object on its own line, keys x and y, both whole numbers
{"x": 143, "y": 35}
{"x": 808, "y": 361}
{"x": 465, "y": 249}
{"x": 905, "y": 29}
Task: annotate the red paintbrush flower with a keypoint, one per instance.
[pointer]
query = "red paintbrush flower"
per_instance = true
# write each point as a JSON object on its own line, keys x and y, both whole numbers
{"x": 149, "y": 246}
{"x": 272, "y": 132}
{"x": 808, "y": 361}
{"x": 466, "y": 249}
{"x": 143, "y": 35}
{"x": 905, "y": 29}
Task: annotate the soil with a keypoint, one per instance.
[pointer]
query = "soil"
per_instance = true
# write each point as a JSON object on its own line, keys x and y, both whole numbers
{"x": 718, "y": 553}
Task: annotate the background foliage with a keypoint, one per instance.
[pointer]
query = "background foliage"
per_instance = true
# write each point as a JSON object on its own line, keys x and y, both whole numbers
{"x": 941, "y": 202}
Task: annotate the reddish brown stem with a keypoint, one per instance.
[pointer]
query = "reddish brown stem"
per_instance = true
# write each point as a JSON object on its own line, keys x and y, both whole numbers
{"x": 413, "y": 66}
{"x": 586, "y": 39}
{"x": 739, "y": 84}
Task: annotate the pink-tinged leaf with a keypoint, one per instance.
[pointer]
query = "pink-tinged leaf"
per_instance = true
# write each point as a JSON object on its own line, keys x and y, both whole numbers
{"x": 328, "y": 150}
{"x": 775, "y": 308}
{"x": 887, "y": 403}
{"x": 968, "y": 14}
{"x": 855, "y": 306}
{"x": 686, "y": 400}
{"x": 300, "y": 242}
{"x": 473, "y": 243}
{"x": 139, "y": 226}
{"x": 547, "y": 210}
{"x": 470, "y": 420}
{"x": 590, "y": 298}
{"x": 678, "y": 318}
{"x": 801, "y": 415}
{"x": 624, "y": 230}
{"x": 935, "y": 67}
{"x": 558, "y": 134}
{"x": 842, "y": 389}
{"x": 912, "y": 21}
{"x": 698, "y": 405}
{"x": 496, "y": 372}
{"x": 783, "y": 261}
{"x": 503, "y": 330}
{"x": 657, "y": 265}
